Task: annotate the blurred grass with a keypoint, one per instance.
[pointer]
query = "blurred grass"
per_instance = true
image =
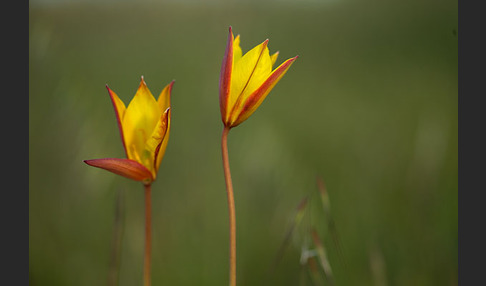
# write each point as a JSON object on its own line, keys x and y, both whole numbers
{"x": 370, "y": 105}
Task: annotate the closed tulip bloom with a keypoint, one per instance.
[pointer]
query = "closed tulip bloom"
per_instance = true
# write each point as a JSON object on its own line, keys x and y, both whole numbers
{"x": 144, "y": 128}
{"x": 246, "y": 80}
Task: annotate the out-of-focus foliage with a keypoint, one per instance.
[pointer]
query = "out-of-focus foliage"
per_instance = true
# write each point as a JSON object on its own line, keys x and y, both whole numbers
{"x": 370, "y": 105}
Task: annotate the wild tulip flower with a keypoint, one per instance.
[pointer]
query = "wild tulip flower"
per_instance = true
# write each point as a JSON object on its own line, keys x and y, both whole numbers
{"x": 144, "y": 128}
{"x": 244, "y": 82}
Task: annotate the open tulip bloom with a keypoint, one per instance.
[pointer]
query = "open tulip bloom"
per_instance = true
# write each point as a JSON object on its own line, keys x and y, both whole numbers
{"x": 144, "y": 128}
{"x": 244, "y": 82}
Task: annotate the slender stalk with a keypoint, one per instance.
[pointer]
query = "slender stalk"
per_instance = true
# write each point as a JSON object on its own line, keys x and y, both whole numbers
{"x": 231, "y": 207}
{"x": 148, "y": 235}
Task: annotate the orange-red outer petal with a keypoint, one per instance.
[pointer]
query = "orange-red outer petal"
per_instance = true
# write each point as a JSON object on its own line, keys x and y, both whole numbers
{"x": 225, "y": 75}
{"x": 262, "y": 90}
{"x": 118, "y": 119}
{"x": 124, "y": 167}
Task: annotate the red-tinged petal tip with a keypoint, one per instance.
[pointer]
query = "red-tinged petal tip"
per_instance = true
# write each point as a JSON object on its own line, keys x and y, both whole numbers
{"x": 293, "y": 59}
{"x": 124, "y": 167}
{"x": 171, "y": 84}
{"x": 110, "y": 91}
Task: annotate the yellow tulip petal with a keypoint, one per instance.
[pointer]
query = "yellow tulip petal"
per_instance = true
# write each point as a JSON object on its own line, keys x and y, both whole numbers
{"x": 163, "y": 145}
{"x": 120, "y": 109}
{"x": 248, "y": 74}
{"x": 274, "y": 58}
{"x": 164, "y": 104}
{"x": 157, "y": 143}
{"x": 140, "y": 119}
{"x": 256, "y": 98}
{"x": 237, "y": 53}
{"x": 123, "y": 167}
{"x": 164, "y": 97}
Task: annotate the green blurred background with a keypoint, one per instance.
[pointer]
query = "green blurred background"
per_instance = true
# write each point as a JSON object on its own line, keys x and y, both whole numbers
{"x": 370, "y": 106}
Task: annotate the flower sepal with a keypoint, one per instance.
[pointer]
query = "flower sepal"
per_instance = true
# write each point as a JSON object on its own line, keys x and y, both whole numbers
{"x": 124, "y": 167}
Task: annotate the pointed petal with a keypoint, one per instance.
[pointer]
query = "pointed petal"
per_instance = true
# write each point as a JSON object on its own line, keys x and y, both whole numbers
{"x": 237, "y": 53}
{"x": 248, "y": 74}
{"x": 124, "y": 167}
{"x": 157, "y": 143}
{"x": 140, "y": 119}
{"x": 164, "y": 97}
{"x": 120, "y": 109}
{"x": 256, "y": 99}
{"x": 225, "y": 76}
{"x": 274, "y": 58}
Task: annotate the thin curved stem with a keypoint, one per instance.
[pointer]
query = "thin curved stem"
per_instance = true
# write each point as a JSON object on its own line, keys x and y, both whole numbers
{"x": 148, "y": 235}
{"x": 231, "y": 207}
